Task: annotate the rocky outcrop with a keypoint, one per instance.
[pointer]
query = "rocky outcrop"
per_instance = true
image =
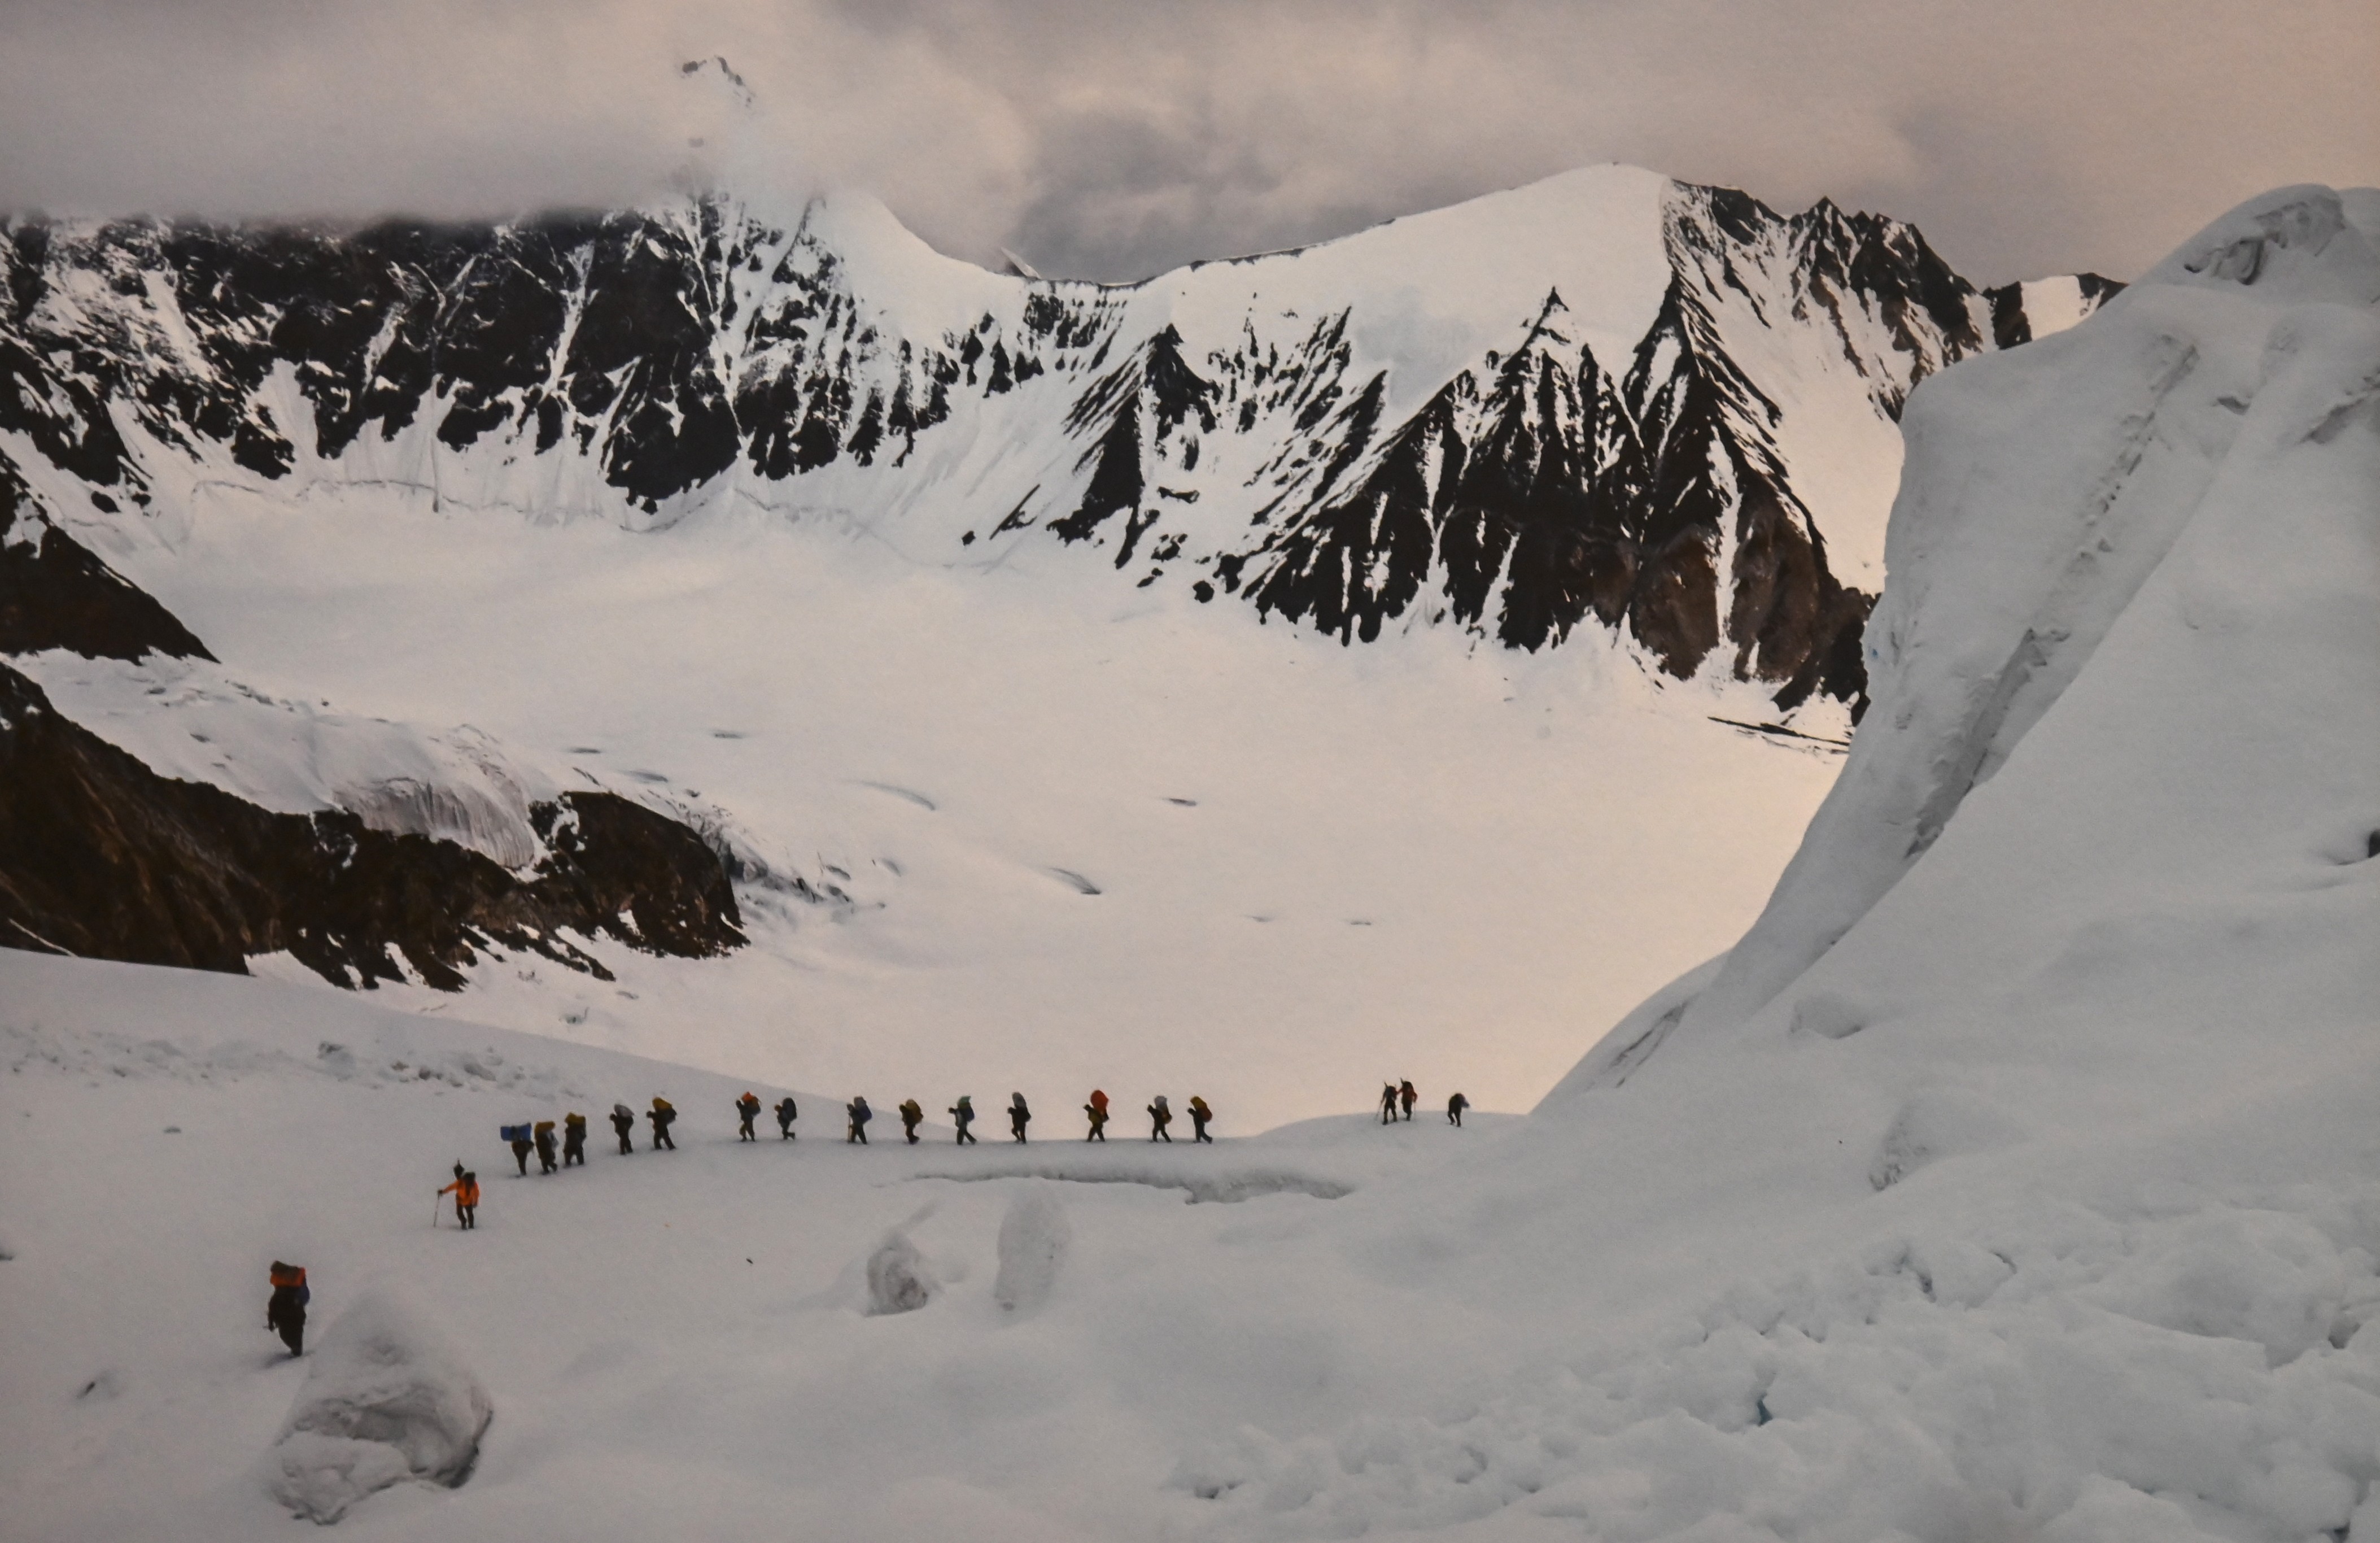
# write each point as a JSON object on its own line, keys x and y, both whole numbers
{"x": 55, "y": 595}
{"x": 101, "y": 858}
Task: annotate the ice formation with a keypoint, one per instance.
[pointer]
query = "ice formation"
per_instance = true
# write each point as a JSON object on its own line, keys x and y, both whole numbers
{"x": 386, "y": 1401}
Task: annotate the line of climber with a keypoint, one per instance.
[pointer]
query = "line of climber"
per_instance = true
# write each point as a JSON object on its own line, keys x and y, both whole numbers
{"x": 568, "y": 1149}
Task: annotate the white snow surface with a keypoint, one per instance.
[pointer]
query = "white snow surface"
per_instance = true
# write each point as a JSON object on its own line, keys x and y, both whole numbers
{"x": 1288, "y": 837}
{"x": 2014, "y": 1179}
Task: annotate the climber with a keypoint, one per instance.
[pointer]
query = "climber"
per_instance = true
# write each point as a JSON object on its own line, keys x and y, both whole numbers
{"x": 1018, "y": 1115}
{"x": 911, "y": 1116}
{"x": 859, "y": 1114}
{"x": 1388, "y": 1103}
{"x": 1406, "y": 1096}
{"x": 1199, "y": 1115}
{"x": 748, "y": 1109}
{"x": 545, "y": 1141}
{"x": 574, "y": 1140}
{"x": 964, "y": 1113}
{"x": 465, "y": 1190}
{"x": 786, "y": 1113}
{"x": 1454, "y": 1108}
{"x": 286, "y": 1310}
{"x": 624, "y": 1123}
{"x": 523, "y": 1144}
{"x": 1158, "y": 1118}
{"x": 663, "y": 1116}
{"x": 1098, "y": 1109}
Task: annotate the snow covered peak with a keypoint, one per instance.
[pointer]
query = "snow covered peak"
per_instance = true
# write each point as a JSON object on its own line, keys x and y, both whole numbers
{"x": 805, "y": 352}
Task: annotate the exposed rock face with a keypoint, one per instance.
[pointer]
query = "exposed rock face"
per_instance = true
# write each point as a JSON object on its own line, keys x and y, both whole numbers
{"x": 55, "y": 595}
{"x": 1379, "y": 429}
{"x": 100, "y": 857}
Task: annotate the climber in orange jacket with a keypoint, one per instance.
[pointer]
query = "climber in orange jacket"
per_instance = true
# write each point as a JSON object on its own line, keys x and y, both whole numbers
{"x": 465, "y": 1190}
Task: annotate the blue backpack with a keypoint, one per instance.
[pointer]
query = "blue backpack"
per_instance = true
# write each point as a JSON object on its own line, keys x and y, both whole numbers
{"x": 514, "y": 1133}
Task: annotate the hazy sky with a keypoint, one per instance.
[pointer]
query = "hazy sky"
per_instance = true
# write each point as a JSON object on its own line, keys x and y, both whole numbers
{"x": 1110, "y": 139}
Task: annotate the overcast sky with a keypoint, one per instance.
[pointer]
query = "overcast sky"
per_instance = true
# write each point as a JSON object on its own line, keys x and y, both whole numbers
{"x": 1110, "y": 139}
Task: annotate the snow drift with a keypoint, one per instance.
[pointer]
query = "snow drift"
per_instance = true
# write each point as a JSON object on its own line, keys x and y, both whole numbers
{"x": 386, "y": 1400}
{"x": 1034, "y": 1238}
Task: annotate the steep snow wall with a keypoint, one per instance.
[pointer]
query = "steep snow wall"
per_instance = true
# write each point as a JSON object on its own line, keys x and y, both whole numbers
{"x": 2224, "y": 402}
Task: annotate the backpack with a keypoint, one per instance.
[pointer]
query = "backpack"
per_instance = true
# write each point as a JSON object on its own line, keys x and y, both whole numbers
{"x": 286, "y": 1275}
{"x": 515, "y": 1132}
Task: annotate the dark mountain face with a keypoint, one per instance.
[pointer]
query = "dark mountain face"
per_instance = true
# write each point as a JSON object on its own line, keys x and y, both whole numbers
{"x": 55, "y": 595}
{"x": 1538, "y": 489}
{"x": 101, "y": 858}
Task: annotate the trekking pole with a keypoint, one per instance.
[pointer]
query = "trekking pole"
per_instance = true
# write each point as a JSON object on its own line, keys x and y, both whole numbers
{"x": 436, "y": 1205}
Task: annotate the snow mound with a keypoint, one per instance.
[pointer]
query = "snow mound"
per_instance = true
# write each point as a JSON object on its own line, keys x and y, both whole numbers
{"x": 899, "y": 1279}
{"x": 386, "y": 1400}
{"x": 1033, "y": 1237}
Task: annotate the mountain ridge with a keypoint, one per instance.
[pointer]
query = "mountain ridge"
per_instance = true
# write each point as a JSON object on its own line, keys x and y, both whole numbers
{"x": 1272, "y": 425}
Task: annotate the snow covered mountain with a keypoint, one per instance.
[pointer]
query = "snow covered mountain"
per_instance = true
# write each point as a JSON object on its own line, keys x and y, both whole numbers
{"x": 1605, "y": 395}
{"x": 595, "y": 567}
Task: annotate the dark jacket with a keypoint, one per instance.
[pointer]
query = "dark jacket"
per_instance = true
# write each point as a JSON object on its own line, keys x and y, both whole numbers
{"x": 287, "y": 1306}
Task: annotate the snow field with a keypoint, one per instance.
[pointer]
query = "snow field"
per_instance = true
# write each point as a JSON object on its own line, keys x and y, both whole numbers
{"x": 624, "y": 1340}
{"x": 1316, "y": 864}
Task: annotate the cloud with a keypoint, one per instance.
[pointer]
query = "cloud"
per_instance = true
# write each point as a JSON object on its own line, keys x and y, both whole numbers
{"x": 1107, "y": 141}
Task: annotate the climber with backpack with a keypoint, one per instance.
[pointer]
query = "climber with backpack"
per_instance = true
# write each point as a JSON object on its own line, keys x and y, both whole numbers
{"x": 1018, "y": 1115}
{"x": 748, "y": 1109}
{"x": 859, "y": 1114}
{"x": 523, "y": 1143}
{"x": 1158, "y": 1118}
{"x": 1199, "y": 1115}
{"x": 911, "y": 1116}
{"x": 624, "y": 1124}
{"x": 285, "y": 1311}
{"x": 1098, "y": 1109}
{"x": 574, "y": 1140}
{"x": 1454, "y": 1108}
{"x": 1406, "y": 1096}
{"x": 1388, "y": 1103}
{"x": 542, "y": 1134}
{"x": 785, "y": 1115}
{"x": 964, "y": 1113}
{"x": 663, "y": 1116}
